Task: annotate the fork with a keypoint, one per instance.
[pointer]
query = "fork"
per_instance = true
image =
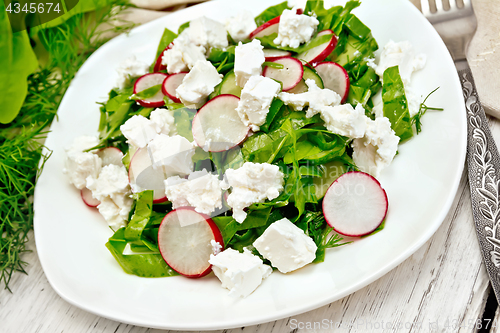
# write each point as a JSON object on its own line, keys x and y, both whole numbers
{"x": 456, "y": 27}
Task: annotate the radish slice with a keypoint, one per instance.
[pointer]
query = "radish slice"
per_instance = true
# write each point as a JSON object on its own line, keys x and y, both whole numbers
{"x": 355, "y": 204}
{"x": 170, "y": 85}
{"x": 88, "y": 199}
{"x": 217, "y": 126}
{"x": 142, "y": 176}
{"x": 320, "y": 52}
{"x": 273, "y": 54}
{"x": 110, "y": 155}
{"x": 158, "y": 65}
{"x": 290, "y": 75}
{"x": 266, "y": 29}
{"x": 335, "y": 78}
{"x": 184, "y": 240}
{"x": 147, "y": 81}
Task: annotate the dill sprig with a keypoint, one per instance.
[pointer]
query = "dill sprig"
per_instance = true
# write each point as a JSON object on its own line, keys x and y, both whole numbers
{"x": 22, "y": 154}
{"x": 415, "y": 120}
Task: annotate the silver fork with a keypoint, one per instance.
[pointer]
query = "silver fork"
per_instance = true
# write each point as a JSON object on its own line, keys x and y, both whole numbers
{"x": 456, "y": 27}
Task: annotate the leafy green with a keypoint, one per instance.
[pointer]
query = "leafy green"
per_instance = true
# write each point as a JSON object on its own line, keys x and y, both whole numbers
{"x": 395, "y": 104}
{"x": 167, "y": 38}
{"x": 415, "y": 120}
{"x": 147, "y": 93}
{"x": 268, "y": 41}
{"x": 271, "y": 13}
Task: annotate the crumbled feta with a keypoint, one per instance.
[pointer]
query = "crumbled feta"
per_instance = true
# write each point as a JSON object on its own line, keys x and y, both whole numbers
{"x": 256, "y": 98}
{"x": 198, "y": 84}
{"x": 286, "y": 246}
{"x": 248, "y": 60}
{"x": 400, "y": 54}
{"x": 130, "y": 67}
{"x": 413, "y": 101}
{"x": 345, "y": 120}
{"x": 78, "y": 164}
{"x": 207, "y": 33}
{"x": 139, "y": 131}
{"x": 241, "y": 273}
{"x": 377, "y": 148}
{"x": 172, "y": 153}
{"x": 252, "y": 183}
{"x": 164, "y": 121}
{"x": 241, "y": 25}
{"x": 295, "y": 29}
{"x": 112, "y": 189}
{"x": 216, "y": 247}
{"x": 318, "y": 99}
{"x": 182, "y": 55}
{"x": 201, "y": 190}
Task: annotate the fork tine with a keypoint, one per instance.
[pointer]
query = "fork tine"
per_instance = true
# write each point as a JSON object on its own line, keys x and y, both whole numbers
{"x": 439, "y": 6}
{"x": 453, "y": 4}
{"x": 467, "y": 4}
{"x": 426, "y": 9}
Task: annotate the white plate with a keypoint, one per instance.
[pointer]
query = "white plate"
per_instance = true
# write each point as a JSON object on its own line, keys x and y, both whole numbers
{"x": 421, "y": 184}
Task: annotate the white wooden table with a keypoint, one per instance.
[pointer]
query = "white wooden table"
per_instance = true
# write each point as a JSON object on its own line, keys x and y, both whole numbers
{"x": 443, "y": 287}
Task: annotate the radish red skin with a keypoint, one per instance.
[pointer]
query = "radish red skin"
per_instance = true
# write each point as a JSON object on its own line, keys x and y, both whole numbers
{"x": 91, "y": 202}
{"x": 217, "y": 237}
{"x": 165, "y": 90}
{"x": 291, "y": 60}
{"x": 328, "y": 48}
{"x": 146, "y": 103}
{"x": 269, "y": 23}
{"x": 158, "y": 65}
{"x": 381, "y": 219}
{"x": 346, "y": 78}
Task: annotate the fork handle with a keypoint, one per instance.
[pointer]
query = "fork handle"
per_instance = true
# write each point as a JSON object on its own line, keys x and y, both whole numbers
{"x": 483, "y": 163}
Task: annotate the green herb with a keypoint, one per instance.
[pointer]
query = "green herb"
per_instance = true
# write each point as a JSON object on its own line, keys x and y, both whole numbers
{"x": 415, "y": 120}
{"x": 146, "y": 93}
{"x": 273, "y": 65}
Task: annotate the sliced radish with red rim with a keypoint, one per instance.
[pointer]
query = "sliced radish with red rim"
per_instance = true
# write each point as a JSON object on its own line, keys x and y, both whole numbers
{"x": 334, "y": 77}
{"x": 158, "y": 65}
{"x": 88, "y": 199}
{"x": 170, "y": 85}
{"x": 322, "y": 51}
{"x": 110, "y": 155}
{"x": 184, "y": 240}
{"x": 217, "y": 126}
{"x": 142, "y": 176}
{"x": 147, "y": 81}
{"x": 273, "y": 54}
{"x": 290, "y": 75}
{"x": 266, "y": 29}
{"x": 355, "y": 204}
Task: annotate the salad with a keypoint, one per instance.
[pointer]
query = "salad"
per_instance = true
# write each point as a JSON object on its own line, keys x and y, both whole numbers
{"x": 249, "y": 146}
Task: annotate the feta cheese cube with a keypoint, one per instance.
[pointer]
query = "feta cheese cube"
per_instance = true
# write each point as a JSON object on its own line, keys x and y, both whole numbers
{"x": 252, "y": 183}
{"x": 130, "y": 67}
{"x": 248, "y": 60}
{"x": 207, "y": 33}
{"x": 198, "y": 84}
{"x": 241, "y": 273}
{"x": 316, "y": 98}
{"x": 256, "y": 98}
{"x": 413, "y": 101}
{"x": 345, "y": 120}
{"x": 400, "y": 54}
{"x": 139, "y": 131}
{"x": 112, "y": 189}
{"x": 182, "y": 55}
{"x": 295, "y": 29}
{"x": 164, "y": 121}
{"x": 286, "y": 246}
{"x": 241, "y": 25}
{"x": 80, "y": 165}
{"x": 377, "y": 148}
{"x": 173, "y": 154}
{"x": 201, "y": 190}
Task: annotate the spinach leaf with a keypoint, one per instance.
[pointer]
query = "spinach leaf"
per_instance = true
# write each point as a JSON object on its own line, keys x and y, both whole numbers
{"x": 395, "y": 103}
{"x": 271, "y": 13}
{"x": 167, "y": 38}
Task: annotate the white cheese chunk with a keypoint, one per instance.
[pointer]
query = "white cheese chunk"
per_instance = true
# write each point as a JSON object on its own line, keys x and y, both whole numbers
{"x": 345, "y": 120}
{"x": 295, "y": 29}
{"x": 248, "y": 60}
{"x": 377, "y": 148}
{"x": 201, "y": 190}
{"x": 78, "y": 164}
{"x": 252, "y": 183}
{"x": 164, "y": 121}
{"x": 173, "y": 154}
{"x": 256, "y": 98}
{"x": 207, "y": 33}
{"x": 182, "y": 55}
{"x": 241, "y": 25}
{"x": 400, "y": 54}
{"x": 129, "y": 68}
{"x": 316, "y": 98}
{"x": 112, "y": 189}
{"x": 241, "y": 273}
{"x": 413, "y": 101}
{"x": 286, "y": 246}
{"x": 198, "y": 84}
{"x": 139, "y": 131}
